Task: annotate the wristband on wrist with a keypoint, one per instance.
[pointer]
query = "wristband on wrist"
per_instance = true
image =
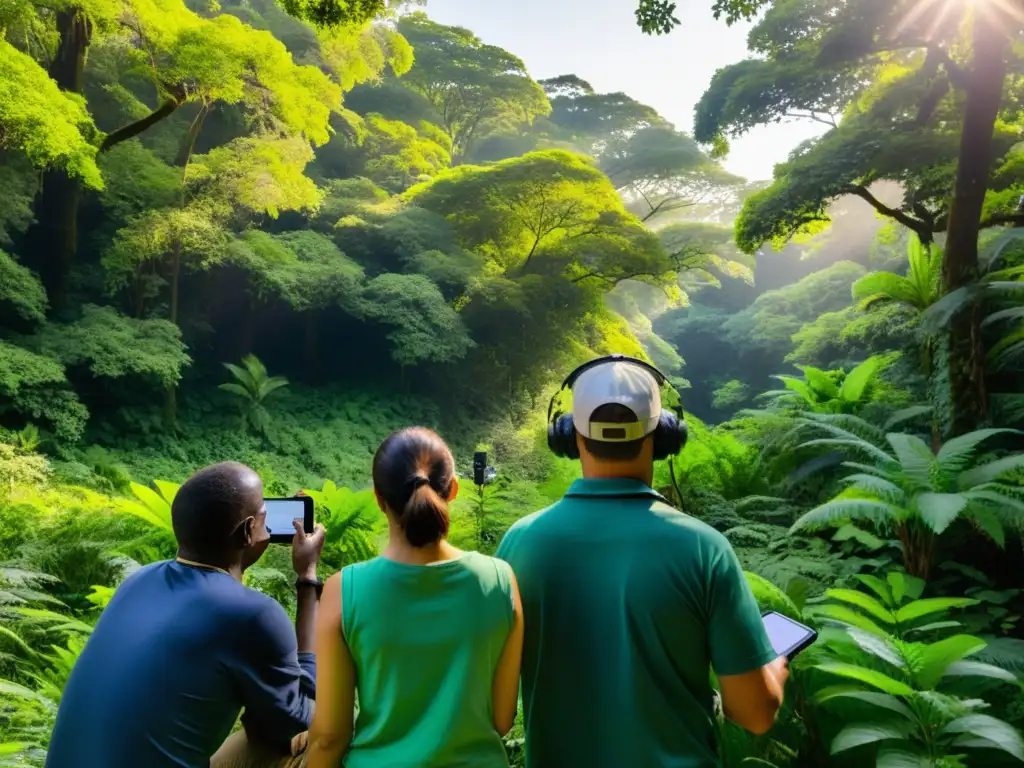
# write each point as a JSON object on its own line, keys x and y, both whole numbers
{"x": 305, "y": 582}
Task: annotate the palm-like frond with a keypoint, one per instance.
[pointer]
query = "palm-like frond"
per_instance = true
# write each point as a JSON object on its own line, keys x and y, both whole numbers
{"x": 270, "y": 385}
{"x": 149, "y": 505}
{"x": 957, "y": 453}
{"x": 919, "y": 289}
{"x": 991, "y": 472}
{"x": 904, "y": 415}
{"x": 914, "y": 456}
{"x": 856, "y": 383}
{"x": 852, "y": 425}
{"x": 841, "y": 510}
{"x": 819, "y": 381}
{"x": 939, "y": 510}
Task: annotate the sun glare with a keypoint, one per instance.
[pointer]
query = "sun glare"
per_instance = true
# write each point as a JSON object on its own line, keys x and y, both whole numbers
{"x": 937, "y": 11}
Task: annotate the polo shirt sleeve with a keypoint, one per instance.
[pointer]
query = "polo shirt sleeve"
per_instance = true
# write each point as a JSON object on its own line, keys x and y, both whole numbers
{"x": 277, "y": 684}
{"x": 506, "y": 545}
{"x": 737, "y": 639}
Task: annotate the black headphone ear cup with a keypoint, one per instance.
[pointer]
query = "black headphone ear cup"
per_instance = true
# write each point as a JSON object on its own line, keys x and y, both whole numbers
{"x": 669, "y": 436}
{"x": 562, "y": 437}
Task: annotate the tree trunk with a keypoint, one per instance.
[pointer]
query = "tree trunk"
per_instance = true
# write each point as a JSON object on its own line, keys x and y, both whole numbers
{"x": 188, "y": 145}
{"x": 55, "y": 236}
{"x": 960, "y": 267}
{"x": 175, "y": 282}
{"x": 171, "y": 393}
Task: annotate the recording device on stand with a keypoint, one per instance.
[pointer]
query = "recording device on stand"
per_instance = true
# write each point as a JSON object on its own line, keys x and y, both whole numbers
{"x": 281, "y": 512}
{"x": 482, "y": 474}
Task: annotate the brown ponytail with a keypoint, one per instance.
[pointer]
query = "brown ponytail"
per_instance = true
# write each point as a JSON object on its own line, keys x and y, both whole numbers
{"x": 413, "y": 471}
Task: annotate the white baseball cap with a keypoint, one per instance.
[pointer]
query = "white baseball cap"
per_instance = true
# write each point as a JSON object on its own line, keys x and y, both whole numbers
{"x": 620, "y": 382}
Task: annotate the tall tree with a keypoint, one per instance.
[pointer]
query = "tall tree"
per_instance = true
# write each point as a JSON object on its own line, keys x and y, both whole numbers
{"x": 187, "y": 58}
{"x": 921, "y": 88}
{"x": 656, "y": 168}
{"x": 475, "y": 88}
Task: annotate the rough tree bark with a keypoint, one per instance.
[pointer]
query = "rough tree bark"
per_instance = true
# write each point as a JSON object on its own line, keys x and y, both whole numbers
{"x": 960, "y": 267}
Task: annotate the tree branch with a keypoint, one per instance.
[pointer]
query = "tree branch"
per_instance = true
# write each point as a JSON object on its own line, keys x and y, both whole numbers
{"x": 957, "y": 74}
{"x": 923, "y": 229}
{"x": 178, "y": 96}
{"x": 829, "y": 120}
{"x": 1017, "y": 219}
{"x": 657, "y": 209}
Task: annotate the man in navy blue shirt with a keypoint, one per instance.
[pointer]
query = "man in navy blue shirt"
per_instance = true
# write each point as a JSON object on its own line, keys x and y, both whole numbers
{"x": 183, "y": 647}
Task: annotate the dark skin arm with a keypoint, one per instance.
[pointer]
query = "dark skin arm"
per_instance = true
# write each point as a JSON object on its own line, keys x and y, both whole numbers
{"x": 305, "y": 556}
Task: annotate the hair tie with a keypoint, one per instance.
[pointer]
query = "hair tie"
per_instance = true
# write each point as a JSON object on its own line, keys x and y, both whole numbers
{"x": 420, "y": 480}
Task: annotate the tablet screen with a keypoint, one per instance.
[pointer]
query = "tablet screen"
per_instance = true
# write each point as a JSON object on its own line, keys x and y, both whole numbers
{"x": 785, "y": 634}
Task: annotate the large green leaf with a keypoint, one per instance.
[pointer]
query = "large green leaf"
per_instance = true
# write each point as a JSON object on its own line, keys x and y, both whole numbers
{"x": 820, "y": 382}
{"x": 882, "y": 700}
{"x": 934, "y": 626}
{"x": 991, "y": 472}
{"x": 968, "y": 668}
{"x": 271, "y": 385}
{"x": 8, "y": 688}
{"x": 1006, "y": 653}
{"x": 901, "y": 758}
{"x": 167, "y": 489}
{"x": 990, "y": 494}
{"x": 879, "y": 647}
{"x": 904, "y": 415}
{"x": 861, "y": 734}
{"x": 904, "y": 585}
{"x": 850, "y": 532}
{"x": 885, "y": 286}
{"x": 921, "y": 608}
{"x": 877, "y": 586}
{"x": 244, "y": 378}
{"x": 862, "y": 601}
{"x": 17, "y": 640}
{"x": 939, "y": 510}
{"x": 856, "y": 383}
{"x": 877, "y": 486}
{"x": 853, "y": 444}
{"x": 956, "y": 454}
{"x": 841, "y": 510}
{"x": 988, "y": 522}
{"x": 933, "y": 661}
{"x": 997, "y": 734}
{"x": 236, "y": 389}
{"x": 875, "y": 679}
{"x": 844, "y": 615}
{"x": 915, "y": 457}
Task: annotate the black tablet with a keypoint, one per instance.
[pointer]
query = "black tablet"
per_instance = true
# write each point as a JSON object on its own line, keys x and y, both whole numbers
{"x": 281, "y": 513}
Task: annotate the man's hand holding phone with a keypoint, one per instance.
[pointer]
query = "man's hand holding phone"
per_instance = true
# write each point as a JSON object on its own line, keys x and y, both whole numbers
{"x": 306, "y": 549}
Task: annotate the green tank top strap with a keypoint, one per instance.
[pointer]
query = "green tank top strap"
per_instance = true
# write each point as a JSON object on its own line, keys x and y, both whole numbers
{"x": 348, "y": 603}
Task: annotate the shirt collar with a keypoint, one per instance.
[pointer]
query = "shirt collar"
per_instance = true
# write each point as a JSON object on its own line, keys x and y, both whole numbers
{"x": 611, "y": 486}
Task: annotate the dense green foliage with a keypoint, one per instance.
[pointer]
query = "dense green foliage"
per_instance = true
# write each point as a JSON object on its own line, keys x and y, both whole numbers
{"x": 274, "y": 232}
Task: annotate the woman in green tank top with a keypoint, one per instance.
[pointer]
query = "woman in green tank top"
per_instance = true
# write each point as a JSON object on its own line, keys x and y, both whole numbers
{"x": 430, "y": 637}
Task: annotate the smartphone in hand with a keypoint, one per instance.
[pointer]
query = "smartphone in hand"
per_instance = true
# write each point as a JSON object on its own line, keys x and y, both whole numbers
{"x": 282, "y": 512}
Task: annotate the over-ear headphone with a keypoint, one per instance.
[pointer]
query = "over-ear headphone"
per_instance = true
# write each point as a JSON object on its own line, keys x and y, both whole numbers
{"x": 669, "y": 435}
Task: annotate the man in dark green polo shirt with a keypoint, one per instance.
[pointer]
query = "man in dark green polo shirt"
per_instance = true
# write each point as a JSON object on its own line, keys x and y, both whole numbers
{"x": 629, "y": 604}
